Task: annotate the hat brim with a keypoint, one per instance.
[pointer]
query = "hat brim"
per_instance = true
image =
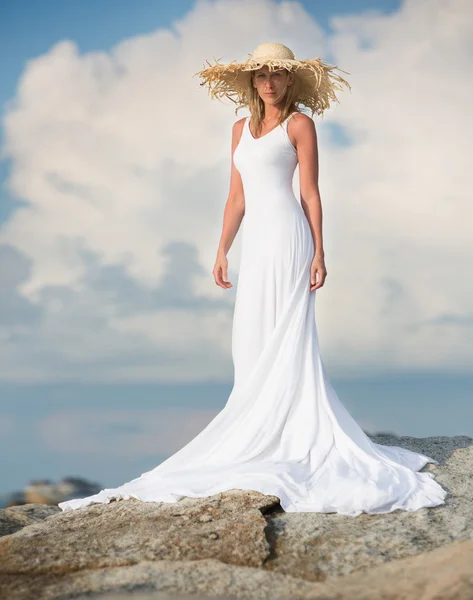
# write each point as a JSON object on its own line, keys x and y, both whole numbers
{"x": 316, "y": 81}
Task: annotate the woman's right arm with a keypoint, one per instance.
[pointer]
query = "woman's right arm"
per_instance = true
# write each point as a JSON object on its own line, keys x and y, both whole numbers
{"x": 233, "y": 214}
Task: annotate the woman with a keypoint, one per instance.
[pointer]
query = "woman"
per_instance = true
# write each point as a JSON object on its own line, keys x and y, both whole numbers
{"x": 283, "y": 431}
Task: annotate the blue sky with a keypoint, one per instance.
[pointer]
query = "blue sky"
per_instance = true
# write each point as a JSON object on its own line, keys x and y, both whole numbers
{"x": 84, "y": 328}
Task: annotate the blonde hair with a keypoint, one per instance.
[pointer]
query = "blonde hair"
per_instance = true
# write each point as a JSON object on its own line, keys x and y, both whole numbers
{"x": 256, "y": 104}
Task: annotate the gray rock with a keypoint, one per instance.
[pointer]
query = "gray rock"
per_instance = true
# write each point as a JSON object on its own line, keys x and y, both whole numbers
{"x": 16, "y": 517}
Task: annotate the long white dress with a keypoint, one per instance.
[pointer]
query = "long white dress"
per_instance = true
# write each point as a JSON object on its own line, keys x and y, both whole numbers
{"x": 283, "y": 430}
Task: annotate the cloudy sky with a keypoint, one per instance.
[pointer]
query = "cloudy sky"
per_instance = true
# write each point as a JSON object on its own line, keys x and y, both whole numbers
{"x": 114, "y": 339}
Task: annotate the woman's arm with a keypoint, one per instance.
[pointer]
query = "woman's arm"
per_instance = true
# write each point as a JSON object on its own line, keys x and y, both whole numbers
{"x": 305, "y": 135}
{"x": 232, "y": 216}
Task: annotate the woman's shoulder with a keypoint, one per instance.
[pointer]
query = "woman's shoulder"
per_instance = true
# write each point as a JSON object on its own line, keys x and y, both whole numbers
{"x": 300, "y": 122}
{"x": 238, "y": 126}
{"x": 239, "y": 122}
{"x": 300, "y": 117}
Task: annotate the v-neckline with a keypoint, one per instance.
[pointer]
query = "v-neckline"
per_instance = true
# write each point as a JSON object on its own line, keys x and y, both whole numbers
{"x": 266, "y": 134}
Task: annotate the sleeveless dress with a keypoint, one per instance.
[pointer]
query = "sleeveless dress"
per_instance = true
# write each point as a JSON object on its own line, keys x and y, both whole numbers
{"x": 283, "y": 430}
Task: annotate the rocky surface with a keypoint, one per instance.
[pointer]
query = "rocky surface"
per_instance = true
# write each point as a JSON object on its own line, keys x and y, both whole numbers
{"x": 15, "y": 518}
{"x": 240, "y": 544}
{"x": 443, "y": 574}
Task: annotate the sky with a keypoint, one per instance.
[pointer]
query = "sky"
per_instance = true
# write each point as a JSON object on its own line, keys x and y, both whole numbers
{"x": 115, "y": 343}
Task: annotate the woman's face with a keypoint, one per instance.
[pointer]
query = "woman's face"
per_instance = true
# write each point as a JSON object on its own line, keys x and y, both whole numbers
{"x": 271, "y": 85}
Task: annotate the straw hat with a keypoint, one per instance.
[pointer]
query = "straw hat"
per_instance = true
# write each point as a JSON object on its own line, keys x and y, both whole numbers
{"x": 315, "y": 81}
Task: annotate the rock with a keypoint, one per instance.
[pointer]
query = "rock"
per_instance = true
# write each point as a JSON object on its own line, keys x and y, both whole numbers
{"x": 14, "y": 499}
{"x": 126, "y": 532}
{"x": 44, "y": 491}
{"x": 445, "y": 573}
{"x": 241, "y": 544}
{"x": 15, "y": 518}
{"x": 159, "y": 596}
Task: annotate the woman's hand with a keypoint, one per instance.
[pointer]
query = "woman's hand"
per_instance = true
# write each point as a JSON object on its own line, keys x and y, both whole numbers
{"x": 220, "y": 272}
{"x": 317, "y": 268}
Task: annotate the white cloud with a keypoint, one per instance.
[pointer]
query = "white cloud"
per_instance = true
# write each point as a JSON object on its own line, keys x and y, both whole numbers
{"x": 399, "y": 197}
{"x": 120, "y": 154}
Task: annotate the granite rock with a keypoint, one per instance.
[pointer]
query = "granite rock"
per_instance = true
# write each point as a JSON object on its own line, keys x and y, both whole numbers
{"x": 241, "y": 544}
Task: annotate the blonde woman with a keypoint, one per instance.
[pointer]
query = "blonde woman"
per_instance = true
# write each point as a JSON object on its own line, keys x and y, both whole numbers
{"x": 283, "y": 431}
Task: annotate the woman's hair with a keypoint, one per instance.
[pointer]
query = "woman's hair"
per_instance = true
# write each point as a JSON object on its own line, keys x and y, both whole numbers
{"x": 256, "y": 104}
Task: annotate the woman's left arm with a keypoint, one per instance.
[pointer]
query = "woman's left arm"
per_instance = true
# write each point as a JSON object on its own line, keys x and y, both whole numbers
{"x": 305, "y": 135}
